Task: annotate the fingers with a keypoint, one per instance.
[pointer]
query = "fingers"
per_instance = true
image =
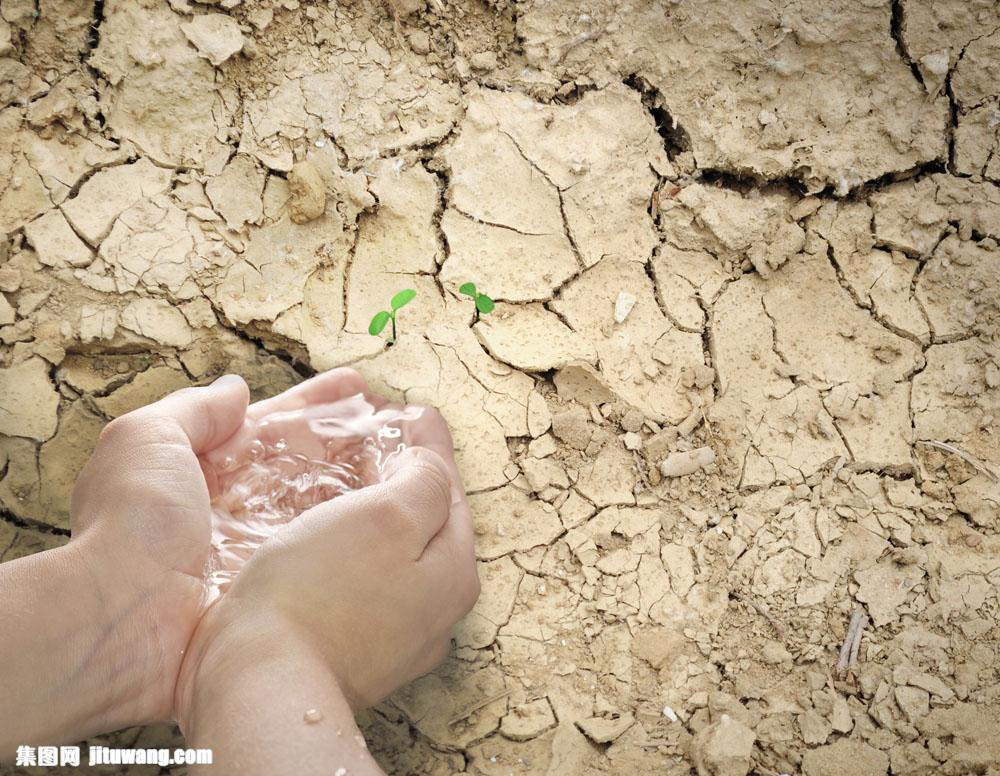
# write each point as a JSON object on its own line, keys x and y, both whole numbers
{"x": 402, "y": 513}
{"x": 454, "y": 549}
{"x": 419, "y": 490}
{"x": 206, "y": 416}
{"x": 323, "y": 388}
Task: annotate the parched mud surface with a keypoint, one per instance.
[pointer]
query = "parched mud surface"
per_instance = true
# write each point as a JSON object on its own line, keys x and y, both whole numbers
{"x": 769, "y": 230}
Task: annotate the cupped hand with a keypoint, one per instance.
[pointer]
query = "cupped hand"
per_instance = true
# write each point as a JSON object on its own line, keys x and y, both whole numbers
{"x": 140, "y": 519}
{"x": 372, "y": 581}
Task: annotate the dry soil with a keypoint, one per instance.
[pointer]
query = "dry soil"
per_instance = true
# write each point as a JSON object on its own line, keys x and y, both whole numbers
{"x": 768, "y": 229}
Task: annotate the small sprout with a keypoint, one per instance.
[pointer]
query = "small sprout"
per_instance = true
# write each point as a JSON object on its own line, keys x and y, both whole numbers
{"x": 382, "y": 317}
{"x": 484, "y": 304}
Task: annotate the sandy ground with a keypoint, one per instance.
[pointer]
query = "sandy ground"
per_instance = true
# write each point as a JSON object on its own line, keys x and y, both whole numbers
{"x": 766, "y": 229}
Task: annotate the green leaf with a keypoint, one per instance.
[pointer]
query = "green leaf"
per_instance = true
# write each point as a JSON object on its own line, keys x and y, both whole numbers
{"x": 379, "y": 320}
{"x": 469, "y": 289}
{"x": 484, "y": 304}
{"x": 402, "y": 298}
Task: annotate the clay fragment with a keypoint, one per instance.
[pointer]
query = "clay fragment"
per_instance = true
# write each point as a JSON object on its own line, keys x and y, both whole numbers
{"x": 723, "y": 748}
{"x": 683, "y": 463}
{"x": 307, "y": 193}
{"x": 216, "y": 36}
{"x": 602, "y": 730}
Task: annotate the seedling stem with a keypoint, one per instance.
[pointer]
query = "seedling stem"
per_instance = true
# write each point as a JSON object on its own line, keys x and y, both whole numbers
{"x": 382, "y": 317}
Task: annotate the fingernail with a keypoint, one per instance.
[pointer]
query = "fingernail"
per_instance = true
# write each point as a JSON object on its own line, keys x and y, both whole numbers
{"x": 225, "y": 380}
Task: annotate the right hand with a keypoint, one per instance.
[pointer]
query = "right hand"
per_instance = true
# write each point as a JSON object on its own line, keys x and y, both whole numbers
{"x": 372, "y": 581}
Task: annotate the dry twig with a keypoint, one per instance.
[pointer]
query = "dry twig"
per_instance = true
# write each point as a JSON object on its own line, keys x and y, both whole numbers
{"x": 852, "y": 643}
{"x": 975, "y": 463}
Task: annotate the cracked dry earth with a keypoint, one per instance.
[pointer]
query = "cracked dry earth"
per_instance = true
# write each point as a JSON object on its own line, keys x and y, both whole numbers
{"x": 765, "y": 229}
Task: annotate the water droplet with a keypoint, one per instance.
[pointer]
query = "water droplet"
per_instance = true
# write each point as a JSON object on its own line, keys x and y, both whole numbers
{"x": 312, "y": 716}
{"x": 270, "y": 483}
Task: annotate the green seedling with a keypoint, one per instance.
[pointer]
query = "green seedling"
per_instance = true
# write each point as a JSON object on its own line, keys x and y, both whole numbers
{"x": 382, "y": 317}
{"x": 484, "y": 304}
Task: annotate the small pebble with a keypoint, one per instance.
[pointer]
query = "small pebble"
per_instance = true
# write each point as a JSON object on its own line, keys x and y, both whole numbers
{"x": 623, "y": 306}
{"x": 973, "y": 540}
{"x": 312, "y": 716}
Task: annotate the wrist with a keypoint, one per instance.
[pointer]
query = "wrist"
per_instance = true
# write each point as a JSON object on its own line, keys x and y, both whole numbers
{"x": 118, "y": 653}
{"x": 236, "y": 638}
{"x": 260, "y": 695}
{"x": 65, "y": 624}
{"x": 141, "y": 618}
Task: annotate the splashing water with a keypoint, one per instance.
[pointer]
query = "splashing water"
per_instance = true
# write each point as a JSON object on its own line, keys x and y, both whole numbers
{"x": 279, "y": 466}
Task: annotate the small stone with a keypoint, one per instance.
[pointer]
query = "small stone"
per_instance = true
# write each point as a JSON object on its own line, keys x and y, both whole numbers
{"x": 623, "y": 306}
{"x": 483, "y": 61}
{"x": 312, "y": 716}
{"x": 684, "y": 463}
{"x": 10, "y": 279}
{"x": 632, "y": 441}
{"x": 936, "y": 62}
{"x": 632, "y": 420}
{"x": 542, "y": 447}
{"x": 420, "y": 42}
{"x": 774, "y": 653}
{"x": 841, "y": 719}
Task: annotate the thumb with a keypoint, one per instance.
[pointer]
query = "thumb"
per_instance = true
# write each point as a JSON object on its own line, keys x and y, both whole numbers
{"x": 207, "y": 415}
{"x": 212, "y": 414}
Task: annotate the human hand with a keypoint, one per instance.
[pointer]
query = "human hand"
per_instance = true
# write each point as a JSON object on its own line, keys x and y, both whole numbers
{"x": 370, "y": 582}
{"x": 140, "y": 518}
{"x": 106, "y": 618}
